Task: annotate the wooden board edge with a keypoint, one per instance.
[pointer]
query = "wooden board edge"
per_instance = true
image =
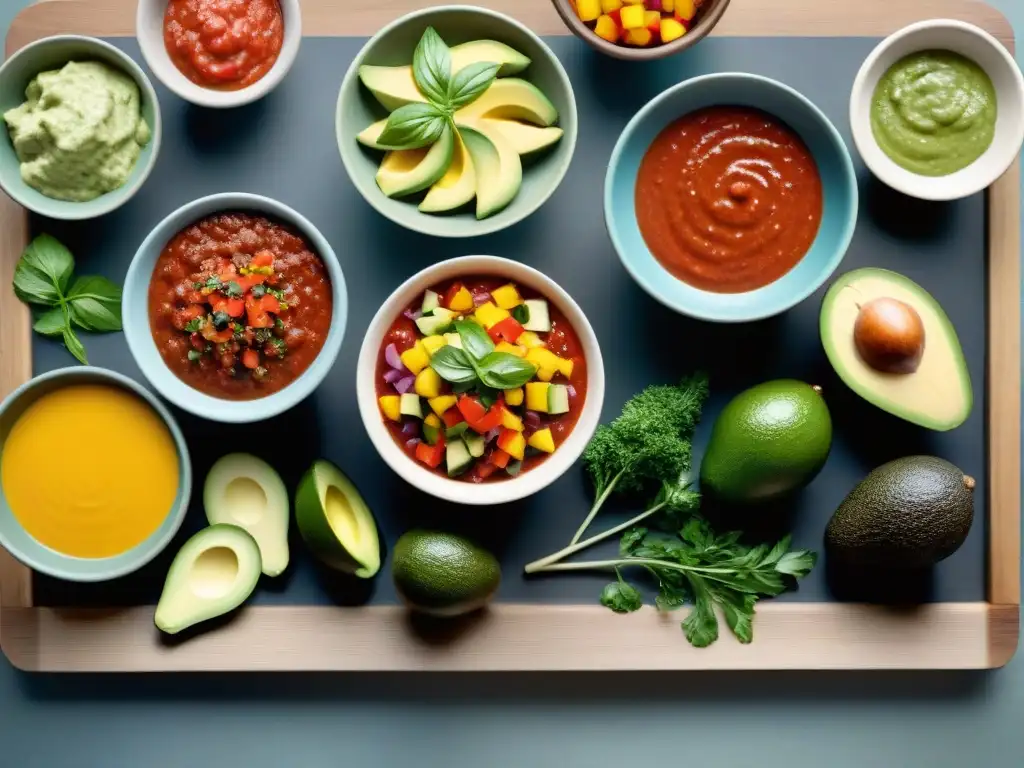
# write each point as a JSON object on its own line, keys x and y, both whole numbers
{"x": 745, "y": 18}
{"x": 509, "y": 637}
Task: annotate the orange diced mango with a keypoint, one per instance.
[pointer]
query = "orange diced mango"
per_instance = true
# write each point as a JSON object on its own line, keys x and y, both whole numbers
{"x": 668, "y": 5}
{"x": 634, "y": 2}
{"x": 652, "y": 20}
{"x": 685, "y": 10}
{"x": 588, "y": 10}
{"x": 633, "y": 17}
{"x": 606, "y": 28}
{"x": 611, "y": 5}
{"x": 639, "y": 37}
{"x": 671, "y": 30}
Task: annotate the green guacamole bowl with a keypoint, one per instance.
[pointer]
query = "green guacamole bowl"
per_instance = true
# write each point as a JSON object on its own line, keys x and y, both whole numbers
{"x": 53, "y": 53}
{"x": 393, "y": 46}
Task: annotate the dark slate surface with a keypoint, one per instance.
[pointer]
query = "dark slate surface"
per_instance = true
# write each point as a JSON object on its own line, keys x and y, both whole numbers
{"x": 284, "y": 147}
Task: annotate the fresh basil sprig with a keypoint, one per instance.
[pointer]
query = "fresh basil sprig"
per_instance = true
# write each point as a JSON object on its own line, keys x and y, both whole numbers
{"x": 43, "y": 277}
{"x": 413, "y": 126}
{"x": 478, "y": 364}
{"x": 432, "y": 66}
{"x": 470, "y": 82}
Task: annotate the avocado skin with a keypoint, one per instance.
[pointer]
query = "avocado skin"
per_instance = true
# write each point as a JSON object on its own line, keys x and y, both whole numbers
{"x": 908, "y": 513}
{"x": 769, "y": 441}
{"x": 443, "y": 574}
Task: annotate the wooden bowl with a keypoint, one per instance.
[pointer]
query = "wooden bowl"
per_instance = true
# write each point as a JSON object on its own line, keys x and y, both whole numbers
{"x": 708, "y": 17}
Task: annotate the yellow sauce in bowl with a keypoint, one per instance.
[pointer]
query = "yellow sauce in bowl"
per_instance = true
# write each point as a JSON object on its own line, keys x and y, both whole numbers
{"x": 90, "y": 470}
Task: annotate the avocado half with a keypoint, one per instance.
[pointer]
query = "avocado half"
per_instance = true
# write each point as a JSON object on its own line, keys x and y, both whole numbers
{"x": 938, "y": 394}
{"x": 335, "y": 522}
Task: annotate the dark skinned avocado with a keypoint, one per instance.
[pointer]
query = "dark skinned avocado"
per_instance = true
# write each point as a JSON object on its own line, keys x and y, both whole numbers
{"x": 769, "y": 441}
{"x": 892, "y": 344}
{"x": 442, "y": 574}
{"x": 910, "y": 513}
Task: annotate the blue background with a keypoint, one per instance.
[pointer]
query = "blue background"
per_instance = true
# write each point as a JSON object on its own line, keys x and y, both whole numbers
{"x": 771, "y": 719}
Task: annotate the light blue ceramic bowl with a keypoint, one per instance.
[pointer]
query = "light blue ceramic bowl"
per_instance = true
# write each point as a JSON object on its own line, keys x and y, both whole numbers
{"x": 40, "y": 558}
{"x": 135, "y": 312}
{"x": 53, "y": 53}
{"x": 838, "y": 182}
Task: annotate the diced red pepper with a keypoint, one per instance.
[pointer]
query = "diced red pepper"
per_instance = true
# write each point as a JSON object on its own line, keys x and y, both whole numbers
{"x": 431, "y": 455}
{"x": 508, "y": 329}
{"x": 251, "y": 358}
{"x": 246, "y": 282}
{"x": 500, "y": 458}
{"x": 616, "y": 16}
{"x": 479, "y": 419}
{"x": 262, "y": 259}
{"x": 217, "y": 337}
{"x": 227, "y": 274}
{"x": 483, "y": 471}
{"x": 270, "y": 303}
{"x": 451, "y": 417}
{"x": 449, "y": 295}
{"x": 234, "y": 307}
{"x": 505, "y": 437}
{"x": 256, "y": 316}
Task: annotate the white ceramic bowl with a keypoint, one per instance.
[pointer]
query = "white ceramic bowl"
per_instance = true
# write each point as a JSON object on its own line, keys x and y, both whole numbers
{"x": 149, "y": 29}
{"x": 988, "y": 53}
{"x": 459, "y": 491}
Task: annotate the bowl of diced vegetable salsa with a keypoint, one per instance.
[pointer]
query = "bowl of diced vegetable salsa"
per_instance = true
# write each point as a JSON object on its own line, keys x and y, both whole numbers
{"x": 480, "y": 380}
{"x": 641, "y": 29}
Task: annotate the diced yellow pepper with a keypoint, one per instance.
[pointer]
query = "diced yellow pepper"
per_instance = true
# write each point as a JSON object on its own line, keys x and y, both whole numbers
{"x": 490, "y": 315}
{"x": 639, "y": 37}
{"x": 542, "y": 440}
{"x": 529, "y": 339}
{"x": 442, "y": 403}
{"x": 432, "y": 420}
{"x": 507, "y": 296}
{"x": 510, "y": 421}
{"x": 668, "y": 5}
{"x": 432, "y": 343}
{"x": 512, "y": 349}
{"x": 514, "y": 396}
{"x": 537, "y": 396}
{"x": 606, "y": 28}
{"x": 462, "y": 301}
{"x": 565, "y": 366}
{"x": 428, "y": 383}
{"x": 391, "y": 406}
{"x": 547, "y": 362}
{"x": 633, "y": 2}
{"x": 671, "y": 29}
{"x": 632, "y": 16}
{"x": 514, "y": 446}
{"x": 588, "y": 10}
{"x": 611, "y": 5}
{"x": 652, "y": 20}
{"x": 685, "y": 10}
{"x": 415, "y": 358}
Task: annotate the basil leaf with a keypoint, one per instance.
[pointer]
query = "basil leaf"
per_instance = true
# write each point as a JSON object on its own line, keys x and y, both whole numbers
{"x": 43, "y": 271}
{"x": 503, "y": 370}
{"x": 488, "y": 396}
{"x": 475, "y": 340}
{"x": 432, "y": 67}
{"x": 50, "y": 322}
{"x": 470, "y": 82}
{"x": 452, "y": 364}
{"x": 95, "y": 304}
{"x": 521, "y": 314}
{"x": 74, "y": 345}
{"x": 413, "y": 126}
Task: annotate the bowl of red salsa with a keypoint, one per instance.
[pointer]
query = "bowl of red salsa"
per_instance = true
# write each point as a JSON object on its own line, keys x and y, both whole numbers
{"x": 219, "y": 53}
{"x": 480, "y": 380}
{"x": 235, "y": 307}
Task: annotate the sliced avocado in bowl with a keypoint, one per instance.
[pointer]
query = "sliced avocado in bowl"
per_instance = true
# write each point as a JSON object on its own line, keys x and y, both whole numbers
{"x": 511, "y": 98}
{"x": 244, "y": 490}
{"x": 336, "y": 523}
{"x": 523, "y": 137}
{"x": 213, "y": 573}
{"x": 499, "y": 171}
{"x": 407, "y": 171}
{"x": 458, "y": 185}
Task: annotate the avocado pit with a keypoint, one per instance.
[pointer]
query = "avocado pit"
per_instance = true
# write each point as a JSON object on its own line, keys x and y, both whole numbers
{"x": 889, "y": 336}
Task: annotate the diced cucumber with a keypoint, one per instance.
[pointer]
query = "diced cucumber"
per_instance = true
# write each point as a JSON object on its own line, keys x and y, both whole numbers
{"x": 513, "y": 468}
{"x": 457, "y": 458}
{"x": 436, "y": 322}
{"x": 431, "y": 433}
{"x": 558, "y": 399}
{"x": 409, "y": 405}
{"x": 457, "y": 431}
{"x": 454, "y": 340}
{"x": 431, "y": 301}
{"x": 475, "y": 444}
{"x": 540, "y": 319}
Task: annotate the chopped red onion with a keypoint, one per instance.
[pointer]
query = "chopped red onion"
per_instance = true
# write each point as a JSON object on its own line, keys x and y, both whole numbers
{"x": 493, "y": 434}
{"x": 393, "y": 358}
{"x": 404, "y": 385}
{"x": 412, "y": 314}
{"x": 653, "y": 5}
{"x": 410, "y": 428}
{"x": 481, "y": 297}
{"x": 571, "y": 390}
{"x": 532, "y": 419}
{"x": 411, "y": 444}
{"x": 392, "y": 375}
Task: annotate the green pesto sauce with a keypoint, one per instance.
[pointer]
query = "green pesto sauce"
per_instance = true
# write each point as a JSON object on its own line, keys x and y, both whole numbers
{"x": 934, "y": 112}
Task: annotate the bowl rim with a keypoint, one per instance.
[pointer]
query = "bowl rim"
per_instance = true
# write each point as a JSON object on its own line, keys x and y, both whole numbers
{"x": 110, "y": 201}
{"x": 707, "y": 23}
{"x": 149, "y": 16}
{"x": 149, "y": 548}
{"x": 140, "y": 339}
{"x": 513, "y": 489}
{"x": 796, "y": 297}
{"x": 431, "y": 225}
{"x": 887, "y": 170}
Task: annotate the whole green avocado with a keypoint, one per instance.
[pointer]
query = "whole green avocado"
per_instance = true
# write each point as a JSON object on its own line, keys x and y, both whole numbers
{"x": 769, "y": 441}
{"x": 442, "y": 574}
{"x": 908, "y": 513}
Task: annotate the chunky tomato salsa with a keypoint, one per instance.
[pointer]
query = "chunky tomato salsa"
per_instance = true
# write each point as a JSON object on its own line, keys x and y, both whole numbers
{"x": 239, "y": 306}
{"x": 481, "y": 379}
{"x": 224, "y": 44}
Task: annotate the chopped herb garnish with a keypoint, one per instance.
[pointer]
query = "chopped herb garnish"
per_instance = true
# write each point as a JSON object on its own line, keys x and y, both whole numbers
{"x": 195, "y": 325}
{"x": 194, "y": 355}
{"x": 221, "y": 320}
{"x": 263, "y": 335}
{"x": 521, "y": 314}
{"x": 212, "y": 283}
{"x": 279, "y": 295}
{"x": 279, "y": 323}
{"x": 257, "y": 291}
{"x": 233, "y": 289}
{"x": 279, "y": 346}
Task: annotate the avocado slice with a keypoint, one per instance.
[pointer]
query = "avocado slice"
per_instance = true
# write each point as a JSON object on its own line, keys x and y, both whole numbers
{"x": 335, "y": 522}
{"x": 499, "y": 172}
{"x": 213, "y": 573}
{"x": 937, "y": 394}
{"x": 511, "y": 98}
{"x": 407, "y": 171}
{"x": 523, "y": 137}
{"x": 394, "y": 87}
{"x": 244, "y": 490}
{"x": 458, "y": 185}
{"x": 909, "y": 513}
{"x": 443, "y": 574}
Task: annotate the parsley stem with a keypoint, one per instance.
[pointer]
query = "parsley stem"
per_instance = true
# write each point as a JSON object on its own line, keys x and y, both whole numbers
{"x": 598, "y": 503}
{"x": 590, "y": 565}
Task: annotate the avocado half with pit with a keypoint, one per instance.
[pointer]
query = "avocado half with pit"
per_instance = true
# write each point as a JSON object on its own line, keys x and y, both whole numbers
{"x": 336, "y": 523}
{"x": 891, "y": 342}
{"x": 213, "y": 573}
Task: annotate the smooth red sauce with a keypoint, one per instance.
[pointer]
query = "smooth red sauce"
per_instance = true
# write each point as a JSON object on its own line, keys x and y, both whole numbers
{"x": 285, "y": 332}
{"x": 223, "y": 44}
{"x": 561, "y": 339}
{"x": 728, "y": 199}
